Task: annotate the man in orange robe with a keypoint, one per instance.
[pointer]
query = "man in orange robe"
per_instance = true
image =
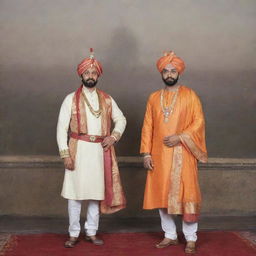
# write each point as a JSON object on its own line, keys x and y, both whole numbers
{"x": 173, "y": 141}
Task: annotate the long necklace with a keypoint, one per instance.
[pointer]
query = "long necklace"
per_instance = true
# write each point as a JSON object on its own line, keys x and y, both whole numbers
{"x": 98, "y": 112}
{"x": 167, "y": 111}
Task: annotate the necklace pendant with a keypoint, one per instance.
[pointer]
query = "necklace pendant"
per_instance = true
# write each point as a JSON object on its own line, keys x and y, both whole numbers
{"x": 167, "y": 111}
{"x": 97, "y": 115}
{"x": 166, "y": 116}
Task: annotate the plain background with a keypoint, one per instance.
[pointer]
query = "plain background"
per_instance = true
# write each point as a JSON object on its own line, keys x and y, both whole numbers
{"x": 43, "y": 41}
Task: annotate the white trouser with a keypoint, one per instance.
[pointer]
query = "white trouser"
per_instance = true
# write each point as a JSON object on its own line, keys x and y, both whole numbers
{"x": 169, "y": 227}
{"x": 92, "y": 221}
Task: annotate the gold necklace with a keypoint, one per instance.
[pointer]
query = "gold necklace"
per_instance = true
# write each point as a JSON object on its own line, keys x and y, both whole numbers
{"x": 98, "y": 112}
{"x": 167, "y": 111}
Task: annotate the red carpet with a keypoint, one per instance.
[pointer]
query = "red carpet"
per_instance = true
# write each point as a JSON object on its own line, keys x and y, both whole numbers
{"x": 129, "y": 244}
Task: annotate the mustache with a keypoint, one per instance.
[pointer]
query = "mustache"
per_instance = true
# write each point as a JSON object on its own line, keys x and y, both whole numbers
{"x": 90, "y": 79}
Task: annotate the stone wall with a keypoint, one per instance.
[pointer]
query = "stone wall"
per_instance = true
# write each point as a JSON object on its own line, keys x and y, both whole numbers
{"x": 31, "y": 186}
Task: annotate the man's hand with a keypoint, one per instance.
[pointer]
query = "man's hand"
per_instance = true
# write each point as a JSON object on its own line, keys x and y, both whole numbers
{"x": 148, "y": 163}
{"x": 171, "y": 141}
{"x": 108, "y": 142}
{"x": 69, "y": 163}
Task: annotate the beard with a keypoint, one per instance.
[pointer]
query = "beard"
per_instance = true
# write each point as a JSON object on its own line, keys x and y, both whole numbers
{"x": 170, "y": 81}
{"x": 89, "y": 83}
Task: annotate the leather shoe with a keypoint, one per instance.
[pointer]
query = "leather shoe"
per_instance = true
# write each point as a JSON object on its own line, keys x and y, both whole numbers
{"x": 94, "y": 240}
{"x": 190, "y": 247}
{"x": 71, "y": 242}
{"x": 166, "y": 242}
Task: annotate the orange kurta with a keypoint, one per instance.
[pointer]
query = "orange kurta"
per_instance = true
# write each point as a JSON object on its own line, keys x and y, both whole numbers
{"x": 173, "y": 183}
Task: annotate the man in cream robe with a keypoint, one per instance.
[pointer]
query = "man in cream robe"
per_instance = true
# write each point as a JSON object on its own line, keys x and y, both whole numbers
{"x": 83, "y": 152}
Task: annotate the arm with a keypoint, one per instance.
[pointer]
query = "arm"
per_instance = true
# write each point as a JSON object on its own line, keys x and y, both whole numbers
{"x": 119, "y": 126}
{"x": 119, "y": 121}
{"x": 146, "y": 137}
{"x": 147, "y": 131}
{"x": 62, "y": 132}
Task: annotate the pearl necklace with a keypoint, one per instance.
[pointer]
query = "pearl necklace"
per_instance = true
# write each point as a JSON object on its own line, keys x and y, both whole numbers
{"x": 167, "y": 111}
{"x": 96, "y": 113}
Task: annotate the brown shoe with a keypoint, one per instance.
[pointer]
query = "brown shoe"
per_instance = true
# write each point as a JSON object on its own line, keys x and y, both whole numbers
{"x": 190, "y": 247}
{"x": 71, "y": 242}
{"x": 94, "y": 240}
{"x": 166, "y": 242}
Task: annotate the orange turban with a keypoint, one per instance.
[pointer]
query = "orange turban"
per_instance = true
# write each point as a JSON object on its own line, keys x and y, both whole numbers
{"x": 89, "y": 62}
{"x": 170, "y": 58}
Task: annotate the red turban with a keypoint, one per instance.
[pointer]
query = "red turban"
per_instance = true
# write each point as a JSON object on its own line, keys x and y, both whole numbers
{"x": 89, "y": 62}
{"x": 170, "y": 58}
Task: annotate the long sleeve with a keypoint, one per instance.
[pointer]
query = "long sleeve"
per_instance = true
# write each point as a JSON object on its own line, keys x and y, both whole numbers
{"x": 63, "y": 126}
{"x": 147, "y": 130}
{"x": 118, "y": 119}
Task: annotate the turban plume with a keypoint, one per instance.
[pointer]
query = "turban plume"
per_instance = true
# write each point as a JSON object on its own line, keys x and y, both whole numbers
{"x": 89, "y": 62}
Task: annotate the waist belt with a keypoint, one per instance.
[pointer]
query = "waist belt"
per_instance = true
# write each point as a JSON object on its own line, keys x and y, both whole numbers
{"x": 88, "y": 138}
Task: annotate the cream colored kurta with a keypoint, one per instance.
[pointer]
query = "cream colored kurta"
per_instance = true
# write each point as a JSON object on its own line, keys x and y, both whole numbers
{"x": 87, "y": 180}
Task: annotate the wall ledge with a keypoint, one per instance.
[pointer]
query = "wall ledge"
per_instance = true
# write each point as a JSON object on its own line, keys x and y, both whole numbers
{"x": 46, "y": 161}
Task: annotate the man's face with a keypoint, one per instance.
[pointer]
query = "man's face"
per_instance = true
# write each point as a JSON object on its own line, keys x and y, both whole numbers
{"x": 170, "y": 75}
{"x": 90, "y": 77}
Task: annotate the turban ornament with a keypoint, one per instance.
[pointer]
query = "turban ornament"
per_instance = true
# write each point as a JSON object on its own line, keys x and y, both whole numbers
{"x": 89, "y": 62}
{"x": 170, "y": 58}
